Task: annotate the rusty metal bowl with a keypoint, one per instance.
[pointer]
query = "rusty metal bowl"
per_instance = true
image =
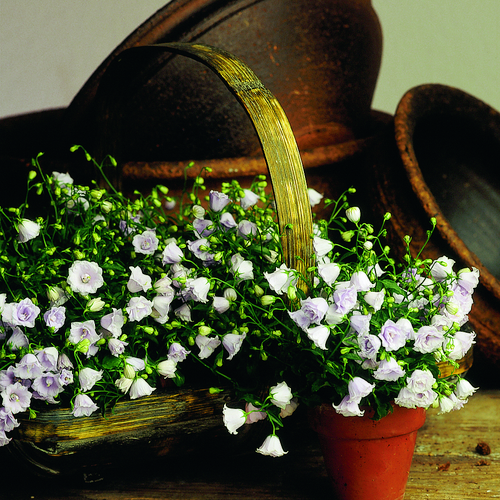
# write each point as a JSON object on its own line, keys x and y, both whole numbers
{"x": 440, "y": 159}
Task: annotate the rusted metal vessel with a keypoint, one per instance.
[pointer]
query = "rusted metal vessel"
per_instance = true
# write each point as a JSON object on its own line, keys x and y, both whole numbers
{"x": 440, "y": 159}
{"x": 321, "y": 59}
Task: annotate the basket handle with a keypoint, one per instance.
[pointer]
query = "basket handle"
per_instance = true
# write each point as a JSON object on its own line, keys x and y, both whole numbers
{"x": 271, "y": 124}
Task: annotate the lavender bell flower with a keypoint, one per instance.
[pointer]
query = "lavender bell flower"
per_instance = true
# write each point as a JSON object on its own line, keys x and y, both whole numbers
{"x": 28, "y": 367}
{"x": 441, "y": 268}
{"x": 345, "y": 299}
{"x": 249, "y": 199}
{"x": 138, "y": 308}
{"x": 24, "y": 313}
{"x": 167, "y": 368}
{"x": 464, "y": 389}
{"x": 375, "y": 299}
{"x": 388, "y": 370}
{"x": 321, "y": 246}
{"x": 428, "y": 339}
{"x": 83, "y": 406}
{"x": 137, "y": 364}
{"x": 113, "y": 322}
{"x": 177, "y": 353}
{"x": 281, "y": 395}
{"x": 218, "y": 201}
{"x": 199, "y": 248}
{"x": 145, "y": 243}
{"x": 361, "y": 282}
{"x": 48, "y": 386}
{"x": 16, "y": 398}
{"x": 280, "y": 279}
{"x": 232, "y": 343}
{"x": 63, "y": 362}
{"x": 140, "y": 388}
{"x": 138, "y": 281}
{"x": 314, "y": 197}
{"x": 88, "y": 377}
{"x": 420, "y": 381}
{"x": 83, "y": 331}
{"x": 393, "y": 337}
{"x": 196, "y": 289}
{"x": 7, "y": 421}
{"x": 349, "y": 407}
{"x": 161, "y": 308}
{"x": 233, "y": 419}
{"x": 48, "y": 358}
{"x": 65, "y": 377}
{"x": 207, "y": 345}
{"x": 85, "y": 277}
{"x": 247, "y": 229}
{"x": 319, "y": 335}
{"x": 227, "y": 221}
{"x": 28, "y": 230}
{"x": 55, "y": 317}
{"x": 184, "y": 313}
{"x": 369, "y": 346}
{"x": 271, "y": 447}
{"x": 360, "y": 323}
{"x": 17, "y": 340}
{"x": 220, "y": 304}
{"x": 172, "y": 254}
{"x": 242, "y": 269}
{"x": 329, "y": 272}
{"x": 254, "y": 414}
{"x": 460, "y": 344}
{"x": 359, "y": 388}
{"x": 203, "y": 228}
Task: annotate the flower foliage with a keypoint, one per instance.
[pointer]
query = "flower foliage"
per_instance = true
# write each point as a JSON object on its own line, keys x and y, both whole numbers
{"x": 104, "y": 297}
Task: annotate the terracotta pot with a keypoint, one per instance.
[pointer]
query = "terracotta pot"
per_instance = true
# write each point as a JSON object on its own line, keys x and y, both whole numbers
{"x": 437, "y": 160}
{"x": 368, "y": 459}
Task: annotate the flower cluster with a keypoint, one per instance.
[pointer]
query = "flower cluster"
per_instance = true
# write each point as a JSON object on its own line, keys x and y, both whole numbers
{"x": 104, "y": 296}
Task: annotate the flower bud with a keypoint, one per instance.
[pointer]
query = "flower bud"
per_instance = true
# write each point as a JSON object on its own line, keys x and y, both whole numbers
{"x": 129, "y": 372}
{"x": 259, "y": 292}
{"x": 204, "y": 330}
{"x": 230, "y": 294}
{"x": 95, "y": 305}
{"x": 83, "y": 346}
{"x": 291, "y": 293}
{"x": 107, "y": 206}
{"x": 353, "y": 214}
{"x": 267, "y": 300}
{"x": 368, "y": 245}
{"x": 96, "y": 194}
{"x": 198, "y": 211}
{"x": 347, "y": 236}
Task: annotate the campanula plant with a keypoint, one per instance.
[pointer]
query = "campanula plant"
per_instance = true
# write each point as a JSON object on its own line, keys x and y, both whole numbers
{"x": 104, "y": 297}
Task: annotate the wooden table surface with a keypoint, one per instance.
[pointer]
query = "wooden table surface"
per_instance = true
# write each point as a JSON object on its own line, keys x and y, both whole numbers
{"x": 446, "y": 466}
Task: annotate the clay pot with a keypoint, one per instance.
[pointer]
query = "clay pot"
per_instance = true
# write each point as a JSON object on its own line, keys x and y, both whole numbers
{"x": 438, "y": 160}
{"x": 367, "y": 458}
